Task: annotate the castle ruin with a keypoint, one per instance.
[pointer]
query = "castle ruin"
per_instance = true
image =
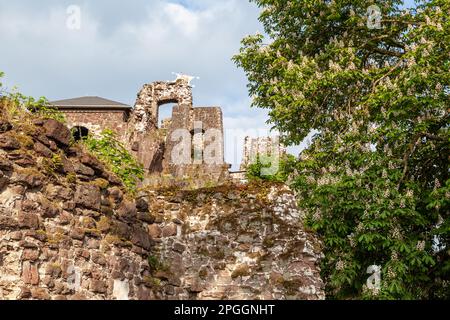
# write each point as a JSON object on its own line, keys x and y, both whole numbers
{"x": 190, "y": 143}
{"x": 265, "y": 147}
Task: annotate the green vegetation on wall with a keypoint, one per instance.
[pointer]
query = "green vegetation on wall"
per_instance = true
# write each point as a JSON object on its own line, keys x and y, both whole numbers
{"x": 110, "y": 150}
{"x": 270, "y": 168}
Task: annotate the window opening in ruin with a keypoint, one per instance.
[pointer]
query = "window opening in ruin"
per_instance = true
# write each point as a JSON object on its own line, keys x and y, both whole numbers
{"x": 165, "y": 114}
{"x": 197, "y": 145}
{"x": 79, "y": 133}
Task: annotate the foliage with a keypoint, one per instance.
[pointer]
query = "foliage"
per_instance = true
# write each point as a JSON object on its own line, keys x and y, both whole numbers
{"x": 110, "y": 150}
{"x": 375, "y": 180}
{"x": 16, "y": 103}
{"x": 255, "y": 171}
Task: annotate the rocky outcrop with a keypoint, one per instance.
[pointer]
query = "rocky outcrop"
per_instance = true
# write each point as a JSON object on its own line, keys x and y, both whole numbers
{"x": 68, "y": 230}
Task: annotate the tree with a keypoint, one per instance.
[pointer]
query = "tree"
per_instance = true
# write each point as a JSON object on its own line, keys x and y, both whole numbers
{"x": 375, "y": 180}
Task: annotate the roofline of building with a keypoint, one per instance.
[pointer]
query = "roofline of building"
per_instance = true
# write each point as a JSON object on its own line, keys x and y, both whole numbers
{"x": 93, "y": 107}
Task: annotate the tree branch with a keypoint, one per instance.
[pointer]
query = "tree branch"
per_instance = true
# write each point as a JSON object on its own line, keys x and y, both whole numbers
{"x": 433, "y": 137}
{"x": 407, "y": 156}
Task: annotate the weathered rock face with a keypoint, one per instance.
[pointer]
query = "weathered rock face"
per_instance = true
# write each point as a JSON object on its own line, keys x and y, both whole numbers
{"x": 234, "y": 242}
{"x": 66, "y": 234}
{"x": 68, "y": 230}
{"x": 192, "y": 138}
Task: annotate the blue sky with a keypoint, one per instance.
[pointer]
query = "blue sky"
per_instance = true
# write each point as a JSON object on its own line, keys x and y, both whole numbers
{"x": 120, "y": 47}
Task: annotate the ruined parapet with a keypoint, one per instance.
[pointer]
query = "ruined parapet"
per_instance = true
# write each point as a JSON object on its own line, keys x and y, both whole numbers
{"x": 147, "y": 142}
{"x": 195, "y": 133}
{"x": 190, "y": 143}
{"x": 195, "y": 143}
{"x": 262, "y": 146}
{"x": 154, "y": 95}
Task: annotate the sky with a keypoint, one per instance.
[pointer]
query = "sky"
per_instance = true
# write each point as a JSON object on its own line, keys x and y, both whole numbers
{"x": 117, "y": 47}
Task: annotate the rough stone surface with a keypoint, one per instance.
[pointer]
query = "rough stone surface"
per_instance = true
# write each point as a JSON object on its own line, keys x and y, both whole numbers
{"x": 57, "y": 131}
{"x": 63, "y": 237}
{"x": 248, "y": 247}
{"x": 154, "y": 145}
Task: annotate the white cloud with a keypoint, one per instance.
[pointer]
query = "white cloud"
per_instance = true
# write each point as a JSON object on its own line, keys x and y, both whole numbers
{"x": 186, "y": 21}
{"x": 122, "y": 46}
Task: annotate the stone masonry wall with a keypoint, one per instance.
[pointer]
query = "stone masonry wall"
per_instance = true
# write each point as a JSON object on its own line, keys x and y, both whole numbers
{"x": 68, "y": 230}
{"x": 154, "y": 147}
{"x": 234, "y": 242}
{"x": 263, "y": 146}
{"x": 151, "y": 97}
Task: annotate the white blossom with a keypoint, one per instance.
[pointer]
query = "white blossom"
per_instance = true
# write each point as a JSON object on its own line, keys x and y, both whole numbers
{"x": 409, "y": 193}
{"x": 420, "y": 245}
{"x": 394, "y": 256}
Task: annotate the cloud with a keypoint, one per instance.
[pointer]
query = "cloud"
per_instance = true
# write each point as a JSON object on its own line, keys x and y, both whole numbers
{"x": 122, "y": 46}
{"x": 186, "y": 21}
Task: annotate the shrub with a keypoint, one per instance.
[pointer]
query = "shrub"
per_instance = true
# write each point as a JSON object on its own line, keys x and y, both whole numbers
{"x": 120, "y": 161}
{"x": 262, "y": 168}
{"x": 17, "y": 105}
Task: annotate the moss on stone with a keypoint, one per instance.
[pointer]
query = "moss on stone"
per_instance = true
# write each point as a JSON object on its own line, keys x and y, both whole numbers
{"x": 92, "y": 232}
{"x": 217, "y": 253}
{"x": 71, "y": 177}
{"x": 241, "y": 270}
{"x": 104, "y": 224}
{"x": 268, "y": 242}
{"x": 101, "y": 183}
{"x": 156, "y": 265}
{"x": 203, "y": 273}
{"x": 55, "y": 238}
{"x": 152, "y": 282}
{"x": 25, "y": 140}
{"x": 291, "y": 286}
{"x": 115, "y": 240}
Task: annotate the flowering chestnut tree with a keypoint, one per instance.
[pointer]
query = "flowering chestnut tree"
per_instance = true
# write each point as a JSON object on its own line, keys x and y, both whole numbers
{"x": 374, "y": 87}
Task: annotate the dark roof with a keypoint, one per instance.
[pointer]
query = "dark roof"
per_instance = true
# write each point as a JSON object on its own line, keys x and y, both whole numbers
{"x": 89, "y": 103}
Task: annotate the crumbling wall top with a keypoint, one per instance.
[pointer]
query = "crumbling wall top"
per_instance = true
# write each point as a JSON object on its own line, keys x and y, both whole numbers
{"x": 155, "y": 94}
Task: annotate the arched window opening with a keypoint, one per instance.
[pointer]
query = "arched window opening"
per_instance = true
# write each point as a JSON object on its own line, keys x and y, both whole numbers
{"x": 80, "y": 133}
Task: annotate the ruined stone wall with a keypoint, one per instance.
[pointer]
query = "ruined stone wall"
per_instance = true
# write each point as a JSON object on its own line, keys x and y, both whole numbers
{"x": 69, "y": 231}
{"x": 262, "y": 146}
{"x": 234, "y": 242}
{"x": 147, "y": 142}
{"x": 151, "y": 97}
{"x": 210, "y": 134}
{"x": 206, "y": 159}
{"x": 154, "y": 147}
{"x": 97, "y": 121}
